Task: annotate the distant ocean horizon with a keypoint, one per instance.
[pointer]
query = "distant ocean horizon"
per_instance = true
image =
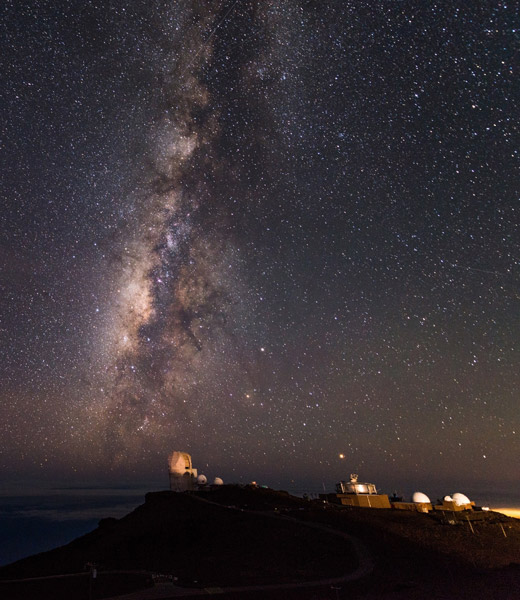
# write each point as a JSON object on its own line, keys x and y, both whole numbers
{"x": 40, "y": 520}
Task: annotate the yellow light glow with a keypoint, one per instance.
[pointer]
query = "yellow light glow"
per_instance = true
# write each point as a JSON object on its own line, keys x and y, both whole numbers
{"x": 342, "y": 456}
{"x": 510, "y": 512}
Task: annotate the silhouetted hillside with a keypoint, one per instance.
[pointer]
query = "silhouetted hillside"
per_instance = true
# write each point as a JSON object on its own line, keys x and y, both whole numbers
{"x": 240, "y": 536}
{"x": 183, "y": 535}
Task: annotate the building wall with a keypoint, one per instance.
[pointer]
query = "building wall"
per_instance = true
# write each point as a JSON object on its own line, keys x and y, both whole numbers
{"x": 415, "y": 506}
{"x": 367, "y": 500}
{"x": 450, "y": 505}
{"x": 181, "y": 483}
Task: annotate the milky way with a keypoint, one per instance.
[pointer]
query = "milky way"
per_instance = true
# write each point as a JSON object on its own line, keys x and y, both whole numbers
{"x": 174, "y": 293}
{"x": 268, "y": 233}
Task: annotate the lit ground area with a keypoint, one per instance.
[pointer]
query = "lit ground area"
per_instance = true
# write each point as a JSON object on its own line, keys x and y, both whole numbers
{"x": 510, "y": 512}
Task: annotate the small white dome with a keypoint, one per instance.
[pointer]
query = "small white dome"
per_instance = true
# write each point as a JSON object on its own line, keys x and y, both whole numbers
{"x": 419, "y": 497}
{"x": 202, "y": 479}
{"x": 218, "y": 481}
{"x": 448, "y": 498}
{"x": 460, "y": 499}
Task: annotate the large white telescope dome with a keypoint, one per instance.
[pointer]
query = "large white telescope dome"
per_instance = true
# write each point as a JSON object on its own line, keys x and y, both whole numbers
{"x": 461, "y": 499}
{"x": 420, "y": 498}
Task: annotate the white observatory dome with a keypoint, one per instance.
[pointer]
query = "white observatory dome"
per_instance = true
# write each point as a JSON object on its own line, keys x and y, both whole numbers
{"x": 202, "y": 479}
{"x": 460, "y": 499}
{"x": 448, "y": 498}
{"x": 419, "y": 498}
{"x": 218, "y": 481}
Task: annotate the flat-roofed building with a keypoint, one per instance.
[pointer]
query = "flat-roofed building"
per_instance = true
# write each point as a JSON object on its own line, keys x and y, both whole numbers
{"x": 356, "y": 493}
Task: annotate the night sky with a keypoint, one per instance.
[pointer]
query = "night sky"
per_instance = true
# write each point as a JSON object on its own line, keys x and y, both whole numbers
{"x": 263, "y": 232}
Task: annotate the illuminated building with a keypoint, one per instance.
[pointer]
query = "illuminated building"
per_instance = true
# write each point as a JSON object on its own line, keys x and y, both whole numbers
{"x": 355, "y": 493}
{"x": 182, "y": 474}
{"x": 456, "y": 503}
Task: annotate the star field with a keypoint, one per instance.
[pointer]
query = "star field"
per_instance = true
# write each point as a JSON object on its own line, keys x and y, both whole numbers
{"x": 264, "y": 232}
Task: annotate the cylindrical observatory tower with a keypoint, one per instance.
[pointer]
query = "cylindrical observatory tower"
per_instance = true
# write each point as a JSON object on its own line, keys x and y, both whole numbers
{"x": 182, "y": 473}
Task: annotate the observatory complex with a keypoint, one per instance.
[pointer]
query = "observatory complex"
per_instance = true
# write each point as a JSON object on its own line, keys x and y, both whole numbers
{"x": 356, "y": 493}
{"x": 353, "y": 493}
